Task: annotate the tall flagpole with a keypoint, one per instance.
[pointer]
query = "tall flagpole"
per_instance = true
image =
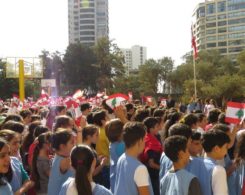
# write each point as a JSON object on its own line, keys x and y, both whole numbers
{"x": 195, "y": 80}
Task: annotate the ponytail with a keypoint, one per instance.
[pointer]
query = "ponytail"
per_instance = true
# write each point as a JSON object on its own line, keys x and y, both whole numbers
{"x": 81, "y": 159}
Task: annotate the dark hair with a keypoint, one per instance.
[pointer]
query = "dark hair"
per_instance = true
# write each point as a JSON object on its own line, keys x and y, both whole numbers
{"x": 189, "y": 119}
{"x": 3, "y": 182}
{"x": 173, "y": 145}
{"x": 114, "y": 129}
{"x": 28, "y": 139}
{"x": 13, "y": 117}
{"x": 180, "y": 129}
{"x": 61, "y": 136}
{"x": 35, "y": 117}
{"x": 89, "y": 130}
{"x": 85, "y": 106}
{"x": 196, "y": 136}
{"x": 172, "y": 119}
{"x": 222, "y": 127}
{"x": 129, "y": 106}
{"x": 159, "y": 113}
{"x": 240, "y": 149}
{"x": 200, "y": 117}
{"x": 133, "y": 132}
{"x": 59, "y": 109}
{"x": 42, "y": 140}
{"x": 25, "y": 113}
{"x": 40, "y": 130}
{"x": 14, "y": 126}
{"x": 90, "y": 119}
{"x": 98, "y": 117}
{"x": 7, "y": 135}
{"x": 150, "y": 122}
{"x": 213, "y": 115}
{"x": 62, "y": 121}
{"x": 141, "y": 114}
{"x": 214, "y": 138}
{"x": 81, "y": 160}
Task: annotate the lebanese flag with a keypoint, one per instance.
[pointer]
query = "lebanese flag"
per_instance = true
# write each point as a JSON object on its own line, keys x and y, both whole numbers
{"x": 78, "y": 94}
{"x": 73, "y": 107}
{"x": 116, "y": 100}
{"x": 44, "y": 94}
{"x": 235, "y": 112}
{"x": 193, "y": 44}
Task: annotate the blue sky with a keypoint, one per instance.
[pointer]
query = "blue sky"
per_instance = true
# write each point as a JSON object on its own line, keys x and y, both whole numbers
{"x": 29, "y": 26}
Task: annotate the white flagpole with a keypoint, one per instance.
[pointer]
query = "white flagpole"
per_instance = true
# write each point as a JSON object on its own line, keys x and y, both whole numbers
{"x": 195, "y": 80}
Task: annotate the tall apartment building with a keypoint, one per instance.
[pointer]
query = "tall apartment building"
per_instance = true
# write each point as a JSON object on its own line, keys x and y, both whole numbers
{"x": 134, "y": 57}
{"x": 88, "y": 21}
{"x": 220, "y": 24}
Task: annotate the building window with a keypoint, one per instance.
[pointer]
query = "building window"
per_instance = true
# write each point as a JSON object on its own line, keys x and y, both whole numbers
{"x": 237, "y": 21}
{"x": 222, "y": 37}
{"x": 237, "y": 42}
{"x": 86, "y": 32}
{"x": 221, "y": 6}
{"x": 209, "y": 32}
{"x": 209, "y": 45}
{"x": 87, "y": 10}
{"x": 236, "y": 14}
{"x": 210, "y": 25}
{"x": 86, "y": 21}
{"x": 201, "y": 12}
{"x": 211, "y": 38}
{"x": 222, "y": 30}
{"x": 223, "y": 50}
{"x": 236, "y": 49}
{"x": 210, "y": 18}
{"x": 222, "y": 23}
{"x": 211, "y": 8}
{"x": 222, "y": 16}
{"x": 236, "y": 35}
{"x": 87, "y": 27}
{"x": 236, "y": 28}
{"x": 83, "y": 16}
{"x": 220, "y": 44}
{"x": 236, "y": 6}
{"x": 87, "y": 38}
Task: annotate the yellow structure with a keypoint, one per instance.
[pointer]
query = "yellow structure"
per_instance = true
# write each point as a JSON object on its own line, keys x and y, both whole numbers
{"x": 21, "y": 80}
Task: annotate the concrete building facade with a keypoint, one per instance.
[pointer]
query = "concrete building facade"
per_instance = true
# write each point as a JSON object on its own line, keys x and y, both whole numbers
{"x": 220, "y": 25}
{"x": 88, "y": 21}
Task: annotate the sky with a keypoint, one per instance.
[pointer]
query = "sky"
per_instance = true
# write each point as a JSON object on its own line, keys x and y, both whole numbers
{"x": 163, "y": 26}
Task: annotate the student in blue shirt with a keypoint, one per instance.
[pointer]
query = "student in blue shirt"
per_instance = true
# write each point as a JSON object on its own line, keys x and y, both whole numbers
{"x": 5, "y": 187}
{"x": 62, "y": 142}
{"x": 114, "y": 131}
{"x": 83, "y": 161}
{"x": 176, "y": 129}
{"x": 132, "y": 177}
{"x": 178, "y": 181}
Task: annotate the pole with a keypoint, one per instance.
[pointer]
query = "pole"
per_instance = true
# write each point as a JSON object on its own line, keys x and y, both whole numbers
{"x": 21, "y": 81}
{"x": 195, "y": 80}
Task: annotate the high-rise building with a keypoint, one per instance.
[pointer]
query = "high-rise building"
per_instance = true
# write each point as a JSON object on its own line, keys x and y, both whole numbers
{"x": 88, "y": 21}
{"x": 134, "y": 57}
{"x": 220, "y": 25}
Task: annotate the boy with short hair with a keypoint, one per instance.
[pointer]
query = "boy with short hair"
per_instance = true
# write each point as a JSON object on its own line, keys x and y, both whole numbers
{"x": 132, "y": 176}
{"x": 195, "y": 148}
{"x": 178, "y": 180}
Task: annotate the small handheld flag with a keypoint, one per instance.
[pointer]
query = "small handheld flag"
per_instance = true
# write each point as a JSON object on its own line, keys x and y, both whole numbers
{"x": 235, "y": 112}
{"x": 116, "y": 100}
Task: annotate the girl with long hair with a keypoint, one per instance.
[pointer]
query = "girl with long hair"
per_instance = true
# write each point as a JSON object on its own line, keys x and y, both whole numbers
{"x": 83, "y": 161}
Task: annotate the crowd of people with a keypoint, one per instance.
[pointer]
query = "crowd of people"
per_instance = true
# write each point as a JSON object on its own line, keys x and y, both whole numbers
{"x": 130, "y": 150}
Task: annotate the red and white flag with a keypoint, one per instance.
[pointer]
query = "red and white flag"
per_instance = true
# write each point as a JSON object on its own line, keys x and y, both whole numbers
{"x": 235, "y": 112}
{"x": 78, "y": 94}
{"x": 193, "y": 44}
{"x": 116, "y": 100}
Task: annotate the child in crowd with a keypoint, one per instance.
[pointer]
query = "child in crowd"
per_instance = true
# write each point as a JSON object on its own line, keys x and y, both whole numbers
{"x": 114, "y": 132}
{"x": 177, "y": 180}
{"x": 237, "y": 179}
{"x": 201, "y": 122}
{"x": 196, "y": 148}
{"x": 90, "y": 135}
{"x": 152, "y": 152}
{"x": 41, "y": 164}
{"x": 62, "y": 143}
{"x": 16, "y": 176}
{"x": 83, "y": 161}
{"x": 132, "y": 176}
{"x": 102, "y": 147}
{"x": 177, "y": 129}
{"x": 5, "y": 187}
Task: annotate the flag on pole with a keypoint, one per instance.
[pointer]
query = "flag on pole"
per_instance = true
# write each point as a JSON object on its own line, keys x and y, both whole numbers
{"x": 235, "y": 112}
{"x": 193, "y": 44}
{"x": 116, "y": 100}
